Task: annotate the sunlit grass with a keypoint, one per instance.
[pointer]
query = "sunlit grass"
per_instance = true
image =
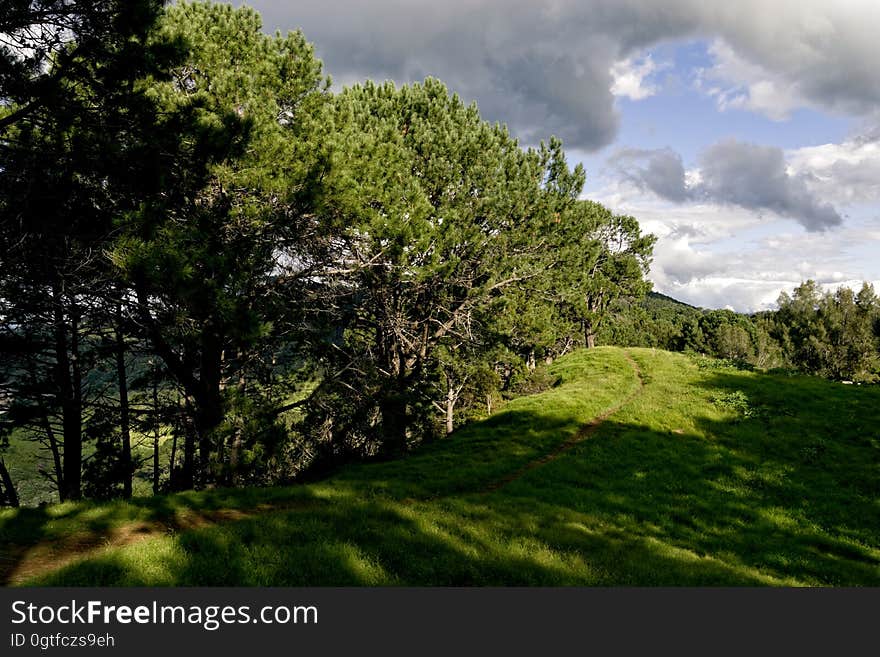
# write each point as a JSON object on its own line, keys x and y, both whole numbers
{"x": 710, "y": 476}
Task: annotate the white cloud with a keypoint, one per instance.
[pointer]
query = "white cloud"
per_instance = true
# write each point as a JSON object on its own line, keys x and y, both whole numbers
{"x": 630, "y": 77}
{"x": 731, "y": 172}
{"x": 742, "y": 294}
{"x": 737, "y": 83}
{"x": 718, "y": 256}
{"x": 843, "y": 173}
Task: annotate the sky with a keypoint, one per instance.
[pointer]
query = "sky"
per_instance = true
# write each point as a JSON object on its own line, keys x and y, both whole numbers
{"x": 745, "y": 135}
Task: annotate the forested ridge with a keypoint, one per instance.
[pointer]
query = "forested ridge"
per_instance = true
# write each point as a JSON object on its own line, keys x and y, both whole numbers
{"x": 833, "y": 334}
{"x": 217, "y": 272}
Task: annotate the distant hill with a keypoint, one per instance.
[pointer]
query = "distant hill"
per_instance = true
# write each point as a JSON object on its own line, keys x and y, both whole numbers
{"x": 654, "y": 298}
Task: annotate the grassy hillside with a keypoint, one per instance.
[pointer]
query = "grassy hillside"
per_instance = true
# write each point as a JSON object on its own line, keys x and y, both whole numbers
{"x": 639, "y": 468}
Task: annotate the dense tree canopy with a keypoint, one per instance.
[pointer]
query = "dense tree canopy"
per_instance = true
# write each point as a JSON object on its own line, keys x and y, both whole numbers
{"x": 614, "y": 260}
{"x": 217, "y": 254}
{"x": 439, "y": 215}
{"x": 214, "y": 271}
{"x": 72, "y": 151}
{"x": 835, "y": 335}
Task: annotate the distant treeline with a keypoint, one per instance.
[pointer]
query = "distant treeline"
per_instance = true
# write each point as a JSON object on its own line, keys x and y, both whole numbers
{"x": 214, "y": 271}
{"x": 830, "y": 334}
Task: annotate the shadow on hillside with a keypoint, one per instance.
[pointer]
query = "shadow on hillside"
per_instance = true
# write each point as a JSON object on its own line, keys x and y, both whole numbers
{"x": 469, "y": 459}
{"x": 501, "y": 444}
{"x": 60, "y": 532}
{"x": 782, "y": 490}
{"x": 380, "y": 544}
{"x": 777, "y": 493}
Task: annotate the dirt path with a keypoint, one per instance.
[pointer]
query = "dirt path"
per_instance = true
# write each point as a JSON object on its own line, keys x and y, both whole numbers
{"x": 583, "y": 433}
{"x": 20, "y": 563}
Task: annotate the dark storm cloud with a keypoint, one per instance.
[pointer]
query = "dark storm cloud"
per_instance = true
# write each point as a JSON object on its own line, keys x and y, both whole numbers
{"x": 755, "y": 177}
{"x": 542, "y": 66}
{"x": 659, "y": 171}
{"x": 730, "y": 173}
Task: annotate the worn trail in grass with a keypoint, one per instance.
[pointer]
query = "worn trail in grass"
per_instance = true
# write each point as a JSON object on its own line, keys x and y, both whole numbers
{"x": 709, "y": 476}
{"x": 67, "y": 542}
{"x": 583, "y": 433}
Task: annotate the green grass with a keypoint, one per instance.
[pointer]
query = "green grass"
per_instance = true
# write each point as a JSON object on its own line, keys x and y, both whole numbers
{"x": 25, "y": 458}
{"x": 709, "y": 476}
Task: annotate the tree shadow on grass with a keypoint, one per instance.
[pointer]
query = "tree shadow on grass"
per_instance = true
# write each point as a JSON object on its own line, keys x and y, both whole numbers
{"x": 470, "y": 459}
{"x": 776, "y": 492}
{"x": 748, "y": 492}
{"x": 374, "y": 545}
{"x": 34, "y": 540}
{"x": 631, "y": 506}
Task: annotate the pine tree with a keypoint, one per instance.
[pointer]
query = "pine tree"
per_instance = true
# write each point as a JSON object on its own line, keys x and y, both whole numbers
{"x": 439, "y": 216}
{"x": 219, "y": 253}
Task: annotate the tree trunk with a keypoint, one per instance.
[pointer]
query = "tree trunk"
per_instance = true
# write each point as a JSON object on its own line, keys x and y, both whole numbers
{"x": 187, "y": 478}
{"x": 8, "y": 486}
{"x": 237, "y": 442}
{"x": 124, "y": 416}
{"x": 507, "y": 377}
{"x": 393, "y": 411}
{"x": 234, "y": 459}
{"x": 450, "y": 411}
{"x": 392, "y": 405}
{"x": 589, "y": 334}
{"x": 209, "y": 403}
{"x": 595, "y": 305}
{"x": 208, "y": 416}
{"x": 156, "y": 432}
{"x": 74, "y": 427}
{"x": 56, "y": 457}
{"x": 172, "y": 471}
{"x": 66, "y": 366}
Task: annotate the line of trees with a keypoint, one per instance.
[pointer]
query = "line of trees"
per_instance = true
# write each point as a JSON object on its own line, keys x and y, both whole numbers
{"x": 202, "y": 246}
{"x": 833, "y": 334}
